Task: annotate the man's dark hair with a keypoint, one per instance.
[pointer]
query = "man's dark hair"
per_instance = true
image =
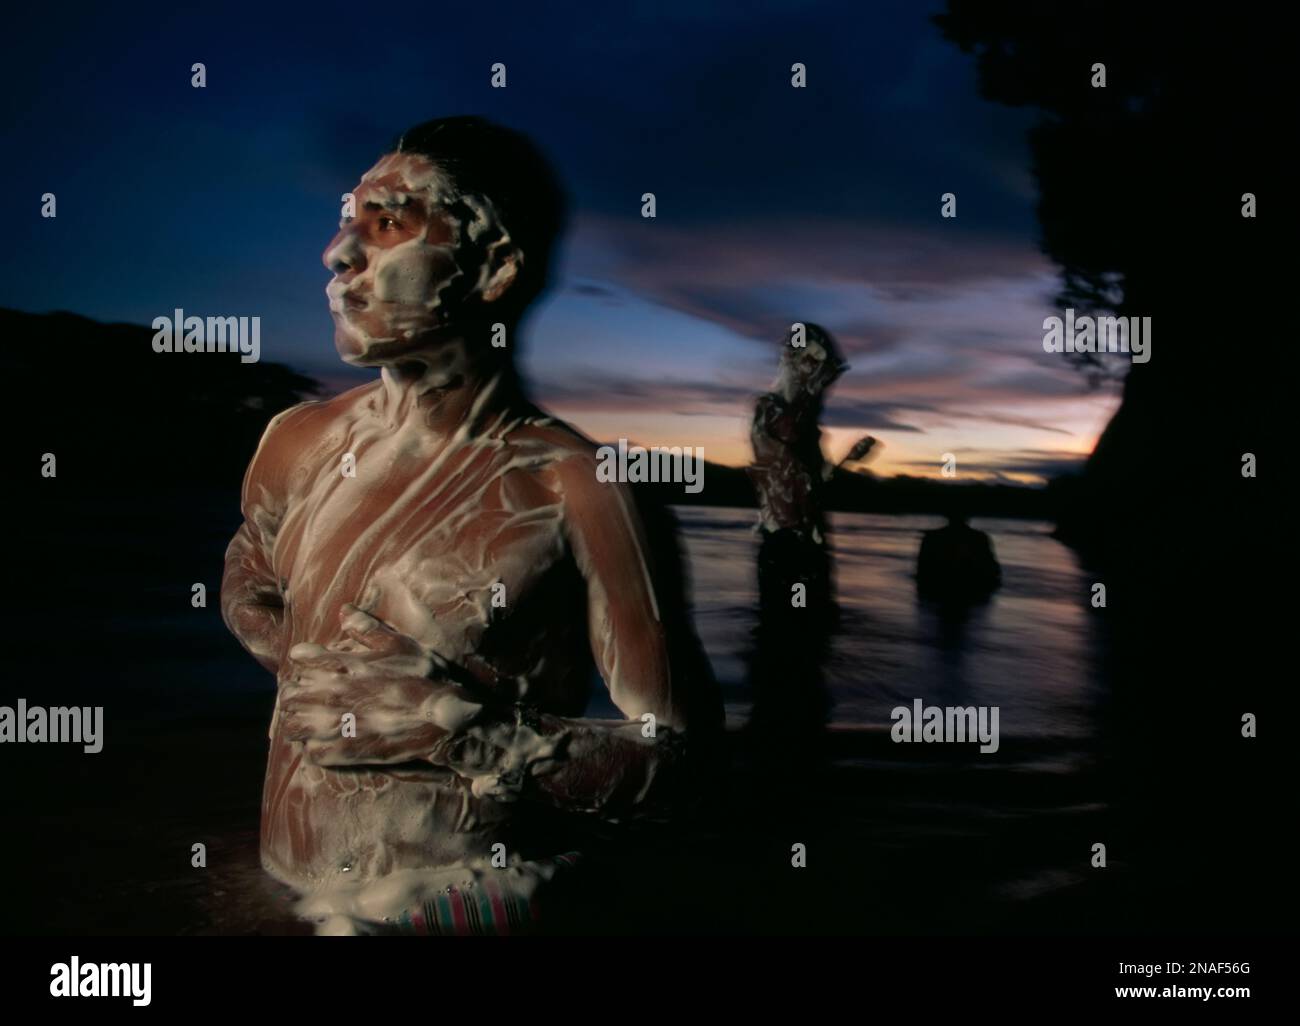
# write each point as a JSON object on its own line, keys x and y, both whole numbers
{"x": 506, "y": 167}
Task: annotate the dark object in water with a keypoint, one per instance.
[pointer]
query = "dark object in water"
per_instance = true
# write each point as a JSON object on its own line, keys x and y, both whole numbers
{"x": 956, "y": 563}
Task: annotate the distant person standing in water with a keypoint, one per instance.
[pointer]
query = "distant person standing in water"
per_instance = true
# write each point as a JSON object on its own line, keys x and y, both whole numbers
{"x": 796, "y": 599}
{"x": 956, "y": 564}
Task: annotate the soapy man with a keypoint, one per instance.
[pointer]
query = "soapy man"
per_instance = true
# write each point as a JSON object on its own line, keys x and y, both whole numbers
{"x": 796, "y": 615}
{"x": 430, "y": 566}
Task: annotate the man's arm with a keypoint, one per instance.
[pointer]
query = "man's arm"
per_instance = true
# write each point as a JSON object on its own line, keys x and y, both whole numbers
{"x": 655, "y": 675}
{"x": 251, "y": 603}
{"x": 618, "y": 766}
{"x": 250, "y": 600}
{"x": 406, "y": 705}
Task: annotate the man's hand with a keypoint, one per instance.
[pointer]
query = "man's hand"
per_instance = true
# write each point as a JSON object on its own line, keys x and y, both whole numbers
{"x": 385, "y": 680}
{"x": 406, "y": 710}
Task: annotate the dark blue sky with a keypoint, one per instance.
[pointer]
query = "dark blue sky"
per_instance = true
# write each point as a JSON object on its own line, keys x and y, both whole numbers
{"x": 774, "y": 204}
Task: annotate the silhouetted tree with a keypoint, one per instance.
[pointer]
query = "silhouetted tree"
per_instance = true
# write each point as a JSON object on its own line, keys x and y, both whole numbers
{"x": 1141, "y": 187}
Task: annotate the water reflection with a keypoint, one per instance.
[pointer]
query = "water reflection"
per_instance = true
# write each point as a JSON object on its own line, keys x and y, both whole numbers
{"x": 791, "y": 643}
{"x": 1033, "y": 649}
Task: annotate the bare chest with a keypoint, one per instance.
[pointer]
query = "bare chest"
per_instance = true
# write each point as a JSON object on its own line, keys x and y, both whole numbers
{"x": 439, "y": 544}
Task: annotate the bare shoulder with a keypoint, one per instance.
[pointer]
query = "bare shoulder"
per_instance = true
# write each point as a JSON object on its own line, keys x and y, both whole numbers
{"x": 295, "y": 437}
{"x": 566, "y": 449}
{"x": 569, "y": 454}
{"x": 596, "y": 509}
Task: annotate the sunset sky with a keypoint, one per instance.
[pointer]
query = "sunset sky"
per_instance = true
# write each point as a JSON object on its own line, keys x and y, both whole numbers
{"x": 774, "y": 204}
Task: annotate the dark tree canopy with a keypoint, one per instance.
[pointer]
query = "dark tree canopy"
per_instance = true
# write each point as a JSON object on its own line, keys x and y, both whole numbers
{"x": 1141, "y": 188}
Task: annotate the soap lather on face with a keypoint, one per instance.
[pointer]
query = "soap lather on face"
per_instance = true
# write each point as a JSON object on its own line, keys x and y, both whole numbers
{"x": 418, "y": 257}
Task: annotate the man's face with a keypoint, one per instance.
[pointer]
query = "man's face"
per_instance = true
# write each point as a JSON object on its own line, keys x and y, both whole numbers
{"x": 813, "y": 368}
{"x": 416, "y": 254}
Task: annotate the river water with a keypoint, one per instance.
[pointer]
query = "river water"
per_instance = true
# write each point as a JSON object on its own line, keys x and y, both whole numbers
{"x": 1034, "y": 650}
{"x": 1009, "y": 833}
